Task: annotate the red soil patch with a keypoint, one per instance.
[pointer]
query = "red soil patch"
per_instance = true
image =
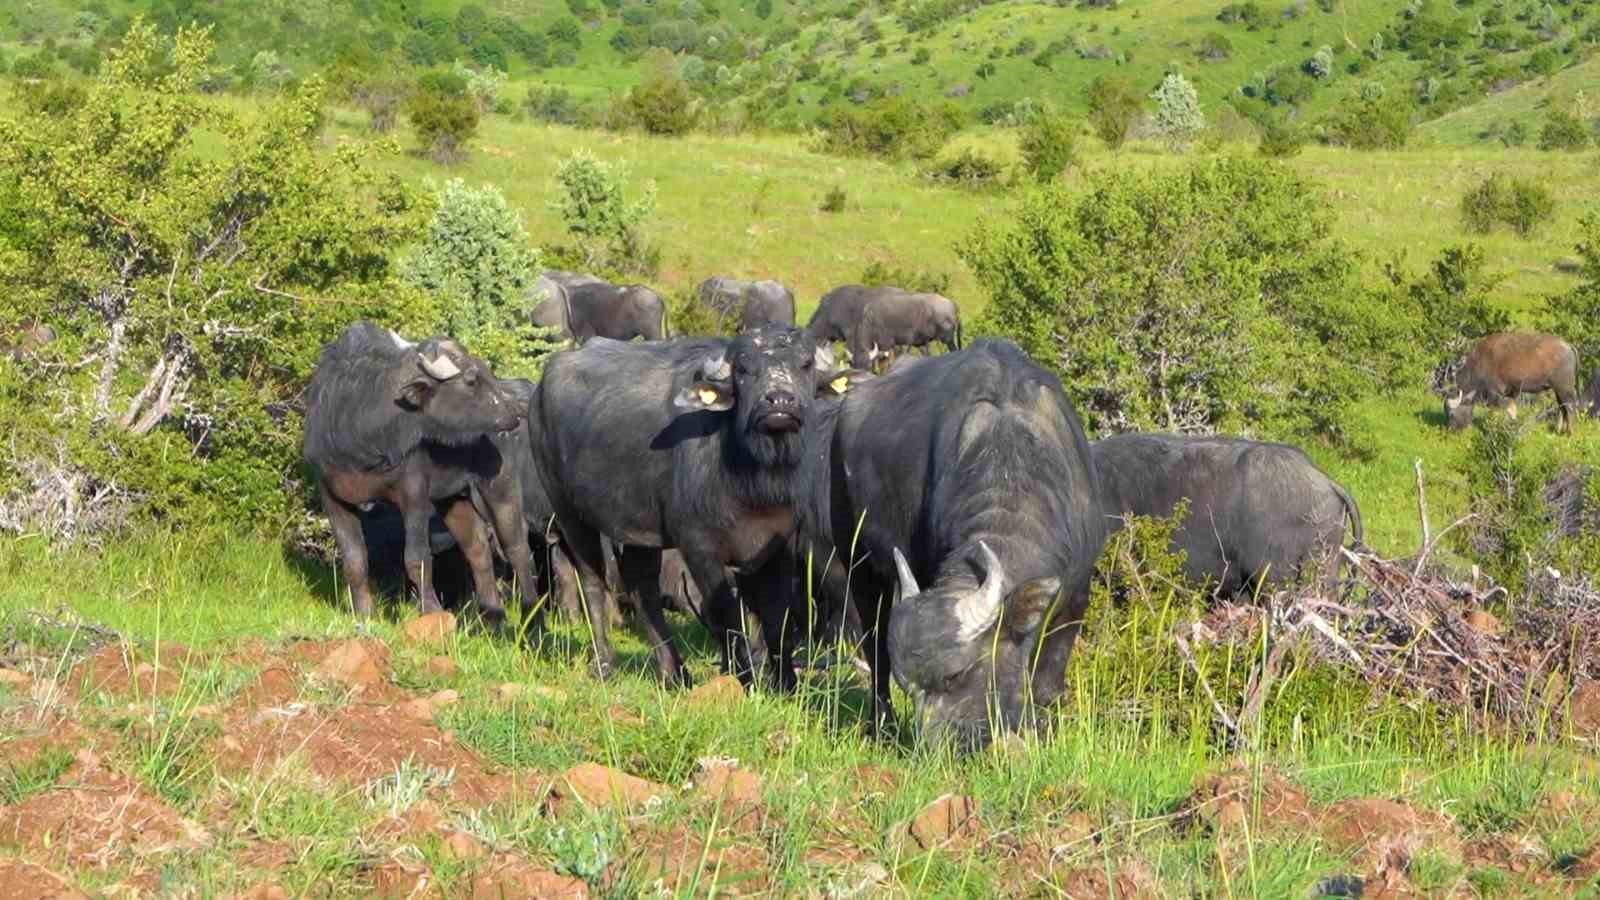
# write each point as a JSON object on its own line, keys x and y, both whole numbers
{"x": 99, "y": 821}
{"x": 595, "y": 785}
{"x": 677, "y": 859}
{"x": 1240, "y": 796}
{"x": 1376, "y": 829}
{"x": 950, "y": 822}
{"x": 275, "y": 686}
{"x": 509, "y": 877}
{"x": 1129, "y": 879}
{"x": 117, "y": 668}
{"x": 736, "y": 793}
{"x": 25, "y": 881}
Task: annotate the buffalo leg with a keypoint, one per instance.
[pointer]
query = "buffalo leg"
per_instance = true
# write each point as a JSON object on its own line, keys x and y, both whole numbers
{"x": 640, "y": 571}
{"x": 769, "y": 591}
{"x": 874, "y": 615}
{"x": 719, "y": 609}
{"x": 352, "y": 550}
{"x": 511, "y": 530}
{"x": 416, "y": 509}
{"x": 468, "y": 528}
{"x": 588, "y": 557}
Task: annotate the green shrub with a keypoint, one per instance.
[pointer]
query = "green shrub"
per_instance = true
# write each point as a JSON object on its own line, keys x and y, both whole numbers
{"x": 1515, "y": 134}
{"x": 1575, "y": 315}
{"x": 919, "y": 280}
{"x": 1178, "y": 116}
{"x": 609, "y": 229}
{"x": 834, "y": 200}
{"x": 1523, "y": 205}
{"x": 443, "y": 123}
{"x": 1152, "y": 329}
{"x": 1048, "y": 145}
{"x": 892, "y": 127}
{"x": 1563, "y": 131}
{"x": 1281, "y": 139}
{"x": 1381, "y": 123}
{"x": 1113, "y": 104}
{"x": 1214, "y": 47}
{"x": 552, "y": 104}
{"x": 688, "y": 315}
{"x": 969, "y": 168}
{"x": 662, "y": 103}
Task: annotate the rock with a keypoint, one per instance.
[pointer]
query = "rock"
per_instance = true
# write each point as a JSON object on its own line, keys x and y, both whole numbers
{"x": 419, "y": 709}
{"x": 354, "y": 663}
{"x": 443, "y": 667}
{"x": 509, "y": 691}
{"x": 514, "y": 879}
{"x": 597, "y": 785}
{"x": 722, "y": 690}
{"x": 444, "y": 698}
{"x": 949, "y": 821}
{"x": 463, "y": 846}
{"x": 1483, "y": 623}
{"x": 1583, "y": 709}
{"x": 432, "y": 628}
{"x": 737, "y": 792}
{"x": 266, "y": 890}
{"x": 17, "y": 681}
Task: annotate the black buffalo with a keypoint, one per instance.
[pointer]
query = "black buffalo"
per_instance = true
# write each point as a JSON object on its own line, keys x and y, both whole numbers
{"x": 584, "y": 307}
{"x": 899, "y": 319}
{"x": 1259, "y": 513}
{"x": 693, "y": 444}
{"x": 840, "y": 310}
{"x": 1593, "y": 395}
{"x": 756, "y": 303}
{"x": 423, "y": 427}
{"x": 966, "y": 480}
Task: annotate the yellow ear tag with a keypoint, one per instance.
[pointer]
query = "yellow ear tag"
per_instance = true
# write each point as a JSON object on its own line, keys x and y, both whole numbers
{"x": 708, "y": 396}
{"x": 840, "y": 384}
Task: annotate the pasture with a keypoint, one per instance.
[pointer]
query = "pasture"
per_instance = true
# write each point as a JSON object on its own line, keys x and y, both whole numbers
{"x": 197, "y": 713}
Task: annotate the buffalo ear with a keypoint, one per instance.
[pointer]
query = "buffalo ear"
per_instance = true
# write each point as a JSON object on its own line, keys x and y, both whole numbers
{"x": 416, "y": 393}
{"x": 709, "y": 396}
{"x": 840, "y": 382}
{"x": 1030, "y": 605}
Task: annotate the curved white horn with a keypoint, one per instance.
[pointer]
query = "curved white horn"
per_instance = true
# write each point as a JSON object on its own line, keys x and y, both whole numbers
{"x": 399, "y": 341}
{"x": 823, "y": 360}
{"x": 441, "y": 367}
{"x": 908, "y": 581}
{"x": 976, "y": 612}
{"x": 716, "y": 368}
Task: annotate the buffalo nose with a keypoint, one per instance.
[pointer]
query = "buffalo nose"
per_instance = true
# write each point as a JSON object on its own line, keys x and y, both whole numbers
{"x": 782, "y": 398}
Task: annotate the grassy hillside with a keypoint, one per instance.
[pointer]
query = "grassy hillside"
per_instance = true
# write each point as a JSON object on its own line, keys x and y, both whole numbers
{"x": 803, "y": 58}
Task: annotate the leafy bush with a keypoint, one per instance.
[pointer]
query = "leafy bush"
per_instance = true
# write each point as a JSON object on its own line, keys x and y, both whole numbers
{"x": 552, "y": 104}
{"x": 893, "y": 127}
{"x": 1114, "y": 104}
{"x": 688, "y": 315}
{"x": 1178, "y": 115}
{"x": 198, "y": 295}
{"x": 969, "y": 168}
{"x": 1381, "y": 123}
{"x": 1150, "y": 328}
{"x": 662, "y": 103}
{"x": 1563, "y": 131}
{"x": 1575, "y": 315}
{"x": 443, "y": 123}
{"x": 878, "y": 274}
{"x": 477, "y": 259}
{"x": 834, "y": 200}
{"x": 1281, "y": 139}
{"x": 608, "y": 228}
{"x": 1214, "y": 47}
{"x": 1523, "y": 205}
{"x": 1047, "y": 144}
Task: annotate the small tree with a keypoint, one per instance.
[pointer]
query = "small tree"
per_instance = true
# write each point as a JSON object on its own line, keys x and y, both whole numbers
{"x": 1563, "y": 131}
{"x": 1113, "y": 107}
{"x": 1047, "y": 145}
{"x": 444, "y": 122}
{"x": 1575, "y": 315}
{"x": 608, "y": 228}
{"x": 763, "y": 9}
{"x": 662, "y": 102}
{"x": 1178, "y": 115}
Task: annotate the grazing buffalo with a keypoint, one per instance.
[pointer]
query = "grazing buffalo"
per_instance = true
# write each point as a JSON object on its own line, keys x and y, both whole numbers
{"x": 840, "y": 310}
{"x": 904, "y": 320}
{"x": 979, "y": 500}
{"x": 757, "y": 303}
{"x": 585, "y": 307}
{"x": 1593, "y": 395}
{"x": 1259, "y": 513}
{"x": 1502, "y": 367}
{"x": 693, "y": 444}
{"x": 424, "y": 428}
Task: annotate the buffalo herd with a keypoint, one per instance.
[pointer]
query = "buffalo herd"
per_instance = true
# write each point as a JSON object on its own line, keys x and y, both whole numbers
{"x": 945, "y": 514}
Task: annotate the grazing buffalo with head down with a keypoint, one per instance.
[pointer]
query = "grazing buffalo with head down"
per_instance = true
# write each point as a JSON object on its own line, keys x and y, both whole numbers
{"x": 1258, "y": 512}
{"x": 841, "y": 308}
{"x": 756, "y": 303}
{"x": 904, "y": 320}
{"x": 1502, "y": 367}
{"x": 585, "y": 307}
{"x": 424, "y": 428}
{"x": 695, "y": 444}
{"x": 965, "y": 480}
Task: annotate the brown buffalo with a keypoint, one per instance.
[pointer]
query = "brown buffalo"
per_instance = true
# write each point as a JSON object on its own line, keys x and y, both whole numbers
{"x": 1502, "y": 367}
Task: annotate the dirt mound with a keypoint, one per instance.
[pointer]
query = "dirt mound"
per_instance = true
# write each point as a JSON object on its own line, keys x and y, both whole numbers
{"x": 950, "y": 822}
{"x": 595, "y": 785}
{"x": 275, "y": 686}
{"x": 1376, "y": 829}
{"x": 1130, "y": 879}
{"x": 513, "y": 878}
{"x": 680, "y": 861}
{"x": 25, "y": 881}
{"x": 736, "y": 793}
{"x": 1241, "y": 796}
{"x": 120, "y": 668}
{"x": 100, "y": 821}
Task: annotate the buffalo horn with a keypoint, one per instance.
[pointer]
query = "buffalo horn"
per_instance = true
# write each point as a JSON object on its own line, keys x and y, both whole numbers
{"x": 976, "y": 611}
{"x": 908, "y": 581}
{"x": 440, "y": 368}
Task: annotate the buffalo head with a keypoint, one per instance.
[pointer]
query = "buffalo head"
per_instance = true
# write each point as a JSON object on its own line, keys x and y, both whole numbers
{"x": 767, "y": 378}
{"x": 457, "y": 396}
{"x": 966, "y": 649}
{"x": 1458, "y": 409}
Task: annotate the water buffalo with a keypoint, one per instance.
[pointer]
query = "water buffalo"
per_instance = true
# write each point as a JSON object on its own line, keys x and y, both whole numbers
{"x": 756, "y": 303}
{"x": 585, "y": 307}
{"x": 1502, "y": 367}
{"x": 981, "y": 504}
{"x": 1259, "y": 513}
{"x": 1593, "y": 393}
{"x": 903, "y": 320}
{"x": 422, "y": 427}
{"x": 694, "y": 444}
{"x": 841, "y": 308}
